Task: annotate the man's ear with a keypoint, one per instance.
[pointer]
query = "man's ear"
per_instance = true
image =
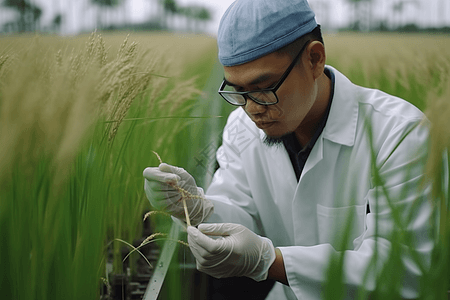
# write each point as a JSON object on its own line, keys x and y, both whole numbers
{"x": 317, "y": 58}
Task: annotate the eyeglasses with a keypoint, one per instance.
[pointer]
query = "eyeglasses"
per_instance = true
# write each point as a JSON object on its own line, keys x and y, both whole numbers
{"x": 262, "y": 97}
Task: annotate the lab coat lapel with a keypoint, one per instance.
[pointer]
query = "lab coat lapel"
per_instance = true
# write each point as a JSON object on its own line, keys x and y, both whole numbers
{"x": 341, "y": 123}
{"x": 283, "y": 175}
{"x": 339, "y": 131}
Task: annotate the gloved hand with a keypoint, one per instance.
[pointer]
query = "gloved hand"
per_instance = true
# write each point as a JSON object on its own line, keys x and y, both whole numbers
{"x": 235, "y": 251}
{"x": 163, "y": 195}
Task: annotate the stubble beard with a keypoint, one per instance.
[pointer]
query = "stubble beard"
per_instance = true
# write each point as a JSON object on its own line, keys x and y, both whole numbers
{"x": 276, "y": 141}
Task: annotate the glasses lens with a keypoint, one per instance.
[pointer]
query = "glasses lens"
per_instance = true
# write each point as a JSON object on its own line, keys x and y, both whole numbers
{"x": 235, "y": 99}
{"x": 263, "y": 97}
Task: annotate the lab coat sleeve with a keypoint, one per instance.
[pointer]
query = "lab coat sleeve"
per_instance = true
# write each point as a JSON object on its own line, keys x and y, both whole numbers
{"x": 229, "y": 190}
{"x": 400, "y": 217}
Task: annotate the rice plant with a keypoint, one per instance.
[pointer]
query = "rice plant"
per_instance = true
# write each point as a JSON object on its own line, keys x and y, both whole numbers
{"x": 77, "y": 122}
{"x": 419, "y": 74}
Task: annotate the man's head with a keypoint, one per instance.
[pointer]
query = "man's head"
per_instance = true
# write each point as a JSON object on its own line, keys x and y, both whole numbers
{"x": 274, "y": 48}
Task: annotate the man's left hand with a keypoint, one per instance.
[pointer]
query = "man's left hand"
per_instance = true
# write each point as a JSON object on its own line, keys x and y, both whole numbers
{"x": 228, "y": 250}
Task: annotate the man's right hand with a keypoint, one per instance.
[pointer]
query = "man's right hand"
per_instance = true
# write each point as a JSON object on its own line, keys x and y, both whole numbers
{"x": 160, "y": 190}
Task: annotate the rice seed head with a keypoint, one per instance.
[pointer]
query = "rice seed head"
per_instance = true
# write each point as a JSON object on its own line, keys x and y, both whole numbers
{"x": 90, "y": 44}
{"x": 155, "y": 212}
{"x": 161, "y": 235}
{"x": 151, "y": 237}
{"x": 102, "y": 54}
{"x": 126, "y": 97}
{"x": 59, "y": 58}
{"x": 3, "y": 60}
{"x": 183, "y": 243}
{"x": 159, "y": 158}
{"x": 123, "y": 81}
{"x": 122, "y": 47}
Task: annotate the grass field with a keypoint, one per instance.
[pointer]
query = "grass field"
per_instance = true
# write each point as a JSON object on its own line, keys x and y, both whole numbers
{"x": 80, "y": 117}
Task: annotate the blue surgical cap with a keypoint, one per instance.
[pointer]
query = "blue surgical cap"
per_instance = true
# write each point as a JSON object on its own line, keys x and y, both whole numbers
{"x": 250, "y": 29}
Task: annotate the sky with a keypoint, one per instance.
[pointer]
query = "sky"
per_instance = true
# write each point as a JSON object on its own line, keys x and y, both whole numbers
{"x": 81, "y": 15}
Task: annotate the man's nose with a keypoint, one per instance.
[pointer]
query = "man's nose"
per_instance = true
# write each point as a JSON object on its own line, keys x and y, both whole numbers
{"x": 254, "y": 108}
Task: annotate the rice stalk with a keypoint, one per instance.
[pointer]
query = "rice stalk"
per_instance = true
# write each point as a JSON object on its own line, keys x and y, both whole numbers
{"x": 147, "y": 241}
{"x": 134, "y": 249}
{"x": 108, "y": 286}
{"x": 438, "y": 161}
{"x": 406, "y": 68}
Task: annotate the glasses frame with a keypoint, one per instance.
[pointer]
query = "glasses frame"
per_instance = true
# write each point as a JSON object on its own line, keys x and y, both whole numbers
{"x": 246, "y": 95}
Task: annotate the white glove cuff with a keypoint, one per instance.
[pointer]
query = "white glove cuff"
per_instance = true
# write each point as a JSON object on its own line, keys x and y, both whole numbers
{"x": 267, "y": 258}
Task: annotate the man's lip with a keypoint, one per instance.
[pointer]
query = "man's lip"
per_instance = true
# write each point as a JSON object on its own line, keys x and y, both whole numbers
{"x": 264, "y": 125}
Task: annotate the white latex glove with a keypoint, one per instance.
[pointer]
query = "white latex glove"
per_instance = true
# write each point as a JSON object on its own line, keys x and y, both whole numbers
{"x": 164, "y": 196}
{"x": 233, "y": 251}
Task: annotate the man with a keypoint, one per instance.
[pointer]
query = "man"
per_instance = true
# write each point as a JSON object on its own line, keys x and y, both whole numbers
{"x": 312, "y": 165}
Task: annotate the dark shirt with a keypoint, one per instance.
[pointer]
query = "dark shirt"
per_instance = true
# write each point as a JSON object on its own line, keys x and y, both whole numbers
{"x": 299, "y": 153}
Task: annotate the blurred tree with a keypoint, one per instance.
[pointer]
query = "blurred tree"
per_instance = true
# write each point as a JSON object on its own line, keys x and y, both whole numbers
{"x": 170, "y": 6}
{"x": 361, "y": 14}
{"x": 29, "y": 14}
{"x": 57, "y": 20}
{"x": 56, "y": 23}
{"x": 195, "y": 14}
{"x": 198, "y": 15}
{"x": 397, "y": 12}
{"x": 322, "y": 9}
{"x": 169, "y": 9}
{"x": 20, "y": 6}
{"x": 35, "y": 14}
{"x": 104, "y": 5}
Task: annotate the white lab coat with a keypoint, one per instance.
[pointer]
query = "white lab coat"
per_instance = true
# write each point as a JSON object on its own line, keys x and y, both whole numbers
{"x": 256, "y": 186}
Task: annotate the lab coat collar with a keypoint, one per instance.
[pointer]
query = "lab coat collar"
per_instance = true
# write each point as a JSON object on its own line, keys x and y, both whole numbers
{"x": 342, "y": 121}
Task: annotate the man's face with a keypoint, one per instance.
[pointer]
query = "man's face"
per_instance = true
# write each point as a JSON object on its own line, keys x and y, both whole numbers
{"x": 296, "y": 95}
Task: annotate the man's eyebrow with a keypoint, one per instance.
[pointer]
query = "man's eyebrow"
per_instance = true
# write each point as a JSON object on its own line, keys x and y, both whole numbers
{"x": 258, "y": 80}
{"x": 229, "y": 83}
{"x": 262, "y": 78}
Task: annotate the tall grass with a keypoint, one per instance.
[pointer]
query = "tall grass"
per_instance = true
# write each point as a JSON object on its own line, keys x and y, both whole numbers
{"x": 77, "y": 127}
{"x": 416, "y": 68}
